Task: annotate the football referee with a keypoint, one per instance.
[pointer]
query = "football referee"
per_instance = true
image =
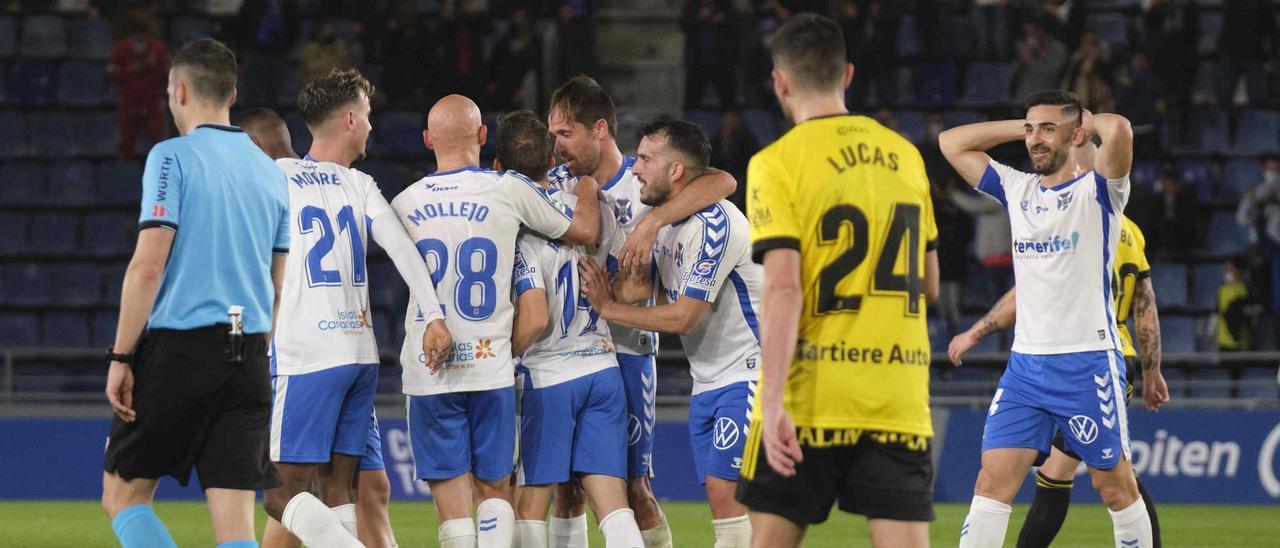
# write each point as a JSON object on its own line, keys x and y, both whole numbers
{"x": 188, "y": 391}
{"x": 842, "y": 220}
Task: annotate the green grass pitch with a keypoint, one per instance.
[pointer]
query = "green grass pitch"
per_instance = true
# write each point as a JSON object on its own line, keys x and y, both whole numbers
{"x": 83, "y": 525}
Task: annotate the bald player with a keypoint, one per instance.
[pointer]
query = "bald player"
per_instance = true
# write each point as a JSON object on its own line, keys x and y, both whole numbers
{"x": 373, "y": 490}
{"x": 461, "y": 416}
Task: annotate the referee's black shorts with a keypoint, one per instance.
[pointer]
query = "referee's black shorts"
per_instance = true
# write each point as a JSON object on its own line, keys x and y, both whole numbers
{"x": 197, "y": 410}
{"x": 875, "y": 474}
{"x": 1130, "y": 366}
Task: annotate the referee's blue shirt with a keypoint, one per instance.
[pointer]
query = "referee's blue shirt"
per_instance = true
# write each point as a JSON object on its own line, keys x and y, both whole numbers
{"x": 229, "y": 204}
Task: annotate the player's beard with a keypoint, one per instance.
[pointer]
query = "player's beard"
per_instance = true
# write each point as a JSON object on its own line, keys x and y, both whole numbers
{"x": 582, "y": 165}
{"x": 1050, "y": 163}
{"x": 654, "y": 194}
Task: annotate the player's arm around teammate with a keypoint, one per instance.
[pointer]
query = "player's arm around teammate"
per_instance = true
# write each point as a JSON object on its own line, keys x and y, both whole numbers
{"x": 708, "y": 188}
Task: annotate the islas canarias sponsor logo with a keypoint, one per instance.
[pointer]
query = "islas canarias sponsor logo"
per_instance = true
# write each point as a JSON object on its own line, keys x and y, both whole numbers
{"x": 347, "y": 321}
{"x": 1047, "y": 247}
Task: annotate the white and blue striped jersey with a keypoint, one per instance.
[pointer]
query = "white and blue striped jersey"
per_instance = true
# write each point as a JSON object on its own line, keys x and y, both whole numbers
{"x": 465, "y": 224}
{"x": 324, "y": 318}
{"x": 1064, "y": 249}
{"x": 577, "y": 342}
{"x": 624, "y": 193}
{"x": 708, "y": 257}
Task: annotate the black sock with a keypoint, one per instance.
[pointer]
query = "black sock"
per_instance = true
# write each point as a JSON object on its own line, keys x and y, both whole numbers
{"x": 1151, "y": 511}
{"x": 1047, "y": 513}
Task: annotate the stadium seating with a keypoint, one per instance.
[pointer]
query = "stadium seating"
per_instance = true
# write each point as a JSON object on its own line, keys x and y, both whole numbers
{"x": 65, "y": 329}
{"x": 400, "y": 133}
{"x": 986, "y": 84}
{"x": 95, "y": 135}
{"x": 26, "y": 284}
{"x": 1258, "y": 382}
{"x": 1170, "y": 284}
{"x": 708, "y": 120}
{"x": 909, "y": 44}
{"x": 104, "y": 328}
{"x": 187, "y": 28}
{"x": 19, "y": 330}
{"x": 936, "y": 84}
{"x": 1238, "y": 175}
{"x": 88, "y": 39}
{"x": 382, "y": 330}
{"x": 13, "y": 232}
{"x": 82, "y": 84}
{"x": 108, "y": 234}
{"x": 386, "y": 288}
{"x": 25, "y": 184}
{"x": 301, "y": 136}
{"x": 1200, "y": 175}
{"x": 1111, "y": 27}
{"x": 71, "y": 182}
{"x": 911, "y": 124}
{"x": 1226, "y": 236}
{"x": 1145, "y": 173}
{"x": 1210, "y": 383}
{"x": 1210, "y": 30}
{"x": 954, "y": 118}
{"x": 54, "y": 233}
{"x": 49, "y": 132}
{"x": 30, "y": 83}
{"x": 1206, "y": 279}
{"x": 1258, "y": 132}
{"x": 43, "y": 36}
{"x": 8, "y": 36}
{"x": 1177, "y": 333}
{"x": 76, "y": 284}
{"x": 1212, "y": 127}
{"x": 118, "y": 183}
{"x": 761, "y": 125}
{"x": 112, "y": 282}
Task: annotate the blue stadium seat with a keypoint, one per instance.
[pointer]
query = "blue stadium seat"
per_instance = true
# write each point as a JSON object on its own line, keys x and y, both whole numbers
{"x": 1258, "y": 132}
{"x": 13, "y": 232}
{"x": 1145, "y": 173}
{"x": 986, "y": 84}
{"x": 8, "y": 37}
{"x": 1170, "y": 284}
{"x": 108, "y": 234}
{"x": 909, "y": 44}
{"x": 1177, "y": 333}
{"x": 82, "y": 83}
{"x": 19, "y": 330}
{"x": 13, "y": 140}
{"x": 1210, "y": 30}
{"x": 386, "y": 174}
{"x": 1206, "y": 279}
{"x": 401, "y": 134}
{"x": 936, "y": 84}
{"x": 1225, "y": 235}
{"x": 1201, "y": 175}
{"x": 708, "y": 120}
{"x": 911, "y": 124}
{"x": 967, "y": 381}
{"x": 30, "y": 83}
{"x": 186, "y": 29}
{"x": 300, "y": 136}
{"x": 1212, "y": 129}
{"x": 96, "y": 135}
{"x": 1111, "y": 27}
{"x": 54, "y": 233}
{"x": 1259, "y": 382}
{"x": 104, "y": 328}
{"x": 77, "y": 284}
{"x": 113, "y": 282}
{"x": 938, "y": 336}
{"x": 118, "y": 183}
{"x": 1237, "y": 176}
{"x": 71, "y": 182}
{"x": 88, "y": 39}
{"x": 65, "y": 330}
{"x": 49, "y": 133}
{"x": 385, "y": 285}
{"x": 25, "y": 184}
{"x": 1210, "y": 383}
{"x": 382, "y": 329}
{"x": 761, "y": 125}
{"x": 44, "y": 36}
{"x": 26, "y": 284}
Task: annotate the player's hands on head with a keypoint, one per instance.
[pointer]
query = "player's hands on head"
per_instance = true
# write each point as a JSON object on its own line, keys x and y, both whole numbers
{"x": 1154, "y": 390}
{"x": 637, "y": 251}
{"x": 595, "y": 283}
{"x": 436, "y": 344}
{"x": 120, "y": 391}
{"x": 780, "y": 445}
{"x": 960, "y": 344}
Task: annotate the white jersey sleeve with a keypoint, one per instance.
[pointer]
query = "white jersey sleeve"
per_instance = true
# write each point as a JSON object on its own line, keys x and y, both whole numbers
{"x": 324, "y": 318}
{"x": 535, "y": 207}
{"x": 708, "y": 257}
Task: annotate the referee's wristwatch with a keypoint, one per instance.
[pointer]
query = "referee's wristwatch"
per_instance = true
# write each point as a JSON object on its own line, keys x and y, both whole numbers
{"x": 122, "y": 358}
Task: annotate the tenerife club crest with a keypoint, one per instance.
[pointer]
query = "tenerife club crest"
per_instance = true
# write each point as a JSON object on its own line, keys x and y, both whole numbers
{"x": 622, "y": 211}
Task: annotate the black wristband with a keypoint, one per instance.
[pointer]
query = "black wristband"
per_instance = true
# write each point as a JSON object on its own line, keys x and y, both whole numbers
{"x": 122, "y": 358}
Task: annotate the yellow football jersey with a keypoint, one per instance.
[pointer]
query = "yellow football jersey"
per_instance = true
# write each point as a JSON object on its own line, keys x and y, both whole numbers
{"x": 1131, "y": 268}
{"x": 852, "y": 196}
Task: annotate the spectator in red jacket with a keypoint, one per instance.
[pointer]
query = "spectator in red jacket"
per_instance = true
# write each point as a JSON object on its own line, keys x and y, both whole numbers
{"x": 139, "y": 69}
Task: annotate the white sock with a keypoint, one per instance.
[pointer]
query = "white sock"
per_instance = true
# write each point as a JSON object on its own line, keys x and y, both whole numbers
{"x": 531, "y": 533}
{"x": 732, "y": 532}
{"x": 620, "y": 530}
{"x": 347, "y": 516}
{"x": 495, "y": 521}
{"x": 1132, "y": 526}
{"x": 312, "y": 522}
{"x": 568, "y": 532}
{"x": 457, "y": 533}
{"x": 659, "y": 536}
{"x": 986, "y": 523}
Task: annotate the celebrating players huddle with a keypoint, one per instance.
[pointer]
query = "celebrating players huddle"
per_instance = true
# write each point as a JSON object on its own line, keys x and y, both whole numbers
{"x": 537, "y": 289}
